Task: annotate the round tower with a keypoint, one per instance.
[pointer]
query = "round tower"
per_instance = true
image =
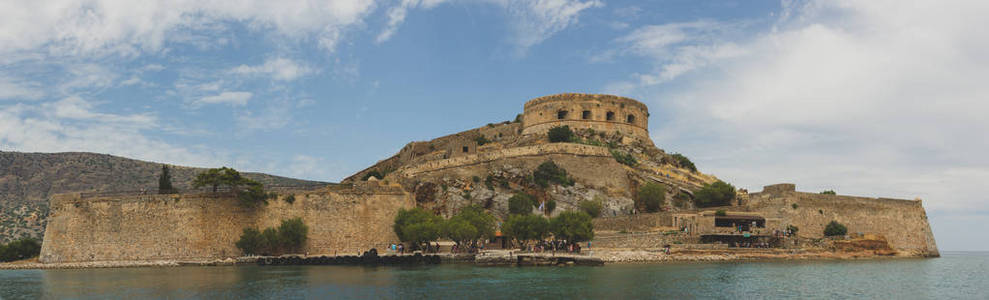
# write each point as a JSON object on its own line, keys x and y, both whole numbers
{"x": 606, "y": 113}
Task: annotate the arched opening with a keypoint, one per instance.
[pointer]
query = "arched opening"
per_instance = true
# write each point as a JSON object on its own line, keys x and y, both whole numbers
{"x": 466, "y": 149}
{"x": 586, "y": 115}
{"x": 560, "y": 115}
{"x": 610, "y": 116}
{"x": 630, "y": 119}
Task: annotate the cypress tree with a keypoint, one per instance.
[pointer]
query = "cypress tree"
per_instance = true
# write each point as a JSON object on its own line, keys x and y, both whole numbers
{"x": 165, "y": 181}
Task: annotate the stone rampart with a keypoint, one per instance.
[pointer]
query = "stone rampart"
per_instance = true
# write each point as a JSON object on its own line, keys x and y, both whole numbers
{"x": 604, "y": 113}
{"x": 484, "y": 157}
{"x": 206, "y": 226}
{"x": 903, "y": 222}
{"x": 633, "y": 223}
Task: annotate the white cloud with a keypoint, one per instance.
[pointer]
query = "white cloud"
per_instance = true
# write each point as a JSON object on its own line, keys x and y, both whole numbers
{"x": 232, "y": 98}
{"x": 72, "y": 124}
{"x": 536, "y": 20}
{"x": 278, "y": 68}
{"x": 127, "y": 28}
{"x": 396, "y": 15}
{"x": 15, "y": 89}
{"x": 870, "y": 98}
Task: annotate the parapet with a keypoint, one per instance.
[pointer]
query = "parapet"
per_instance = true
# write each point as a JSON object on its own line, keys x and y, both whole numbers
{"x": 604, "y": 113}
{"x": 779, "y": 188}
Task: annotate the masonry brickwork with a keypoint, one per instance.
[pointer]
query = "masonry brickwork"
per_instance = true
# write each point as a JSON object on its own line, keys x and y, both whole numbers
{"x": 605, "y": 113}
{"x": 206, "y": 226}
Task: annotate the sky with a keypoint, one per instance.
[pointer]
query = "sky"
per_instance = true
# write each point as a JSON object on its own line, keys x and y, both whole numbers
{"x": 870, "y": 98}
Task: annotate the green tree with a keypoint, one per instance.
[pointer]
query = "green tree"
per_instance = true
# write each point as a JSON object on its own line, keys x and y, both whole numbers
{"x": 683, "y": 162}
{"x": 417, "y": 226}
{"x": 165, "y": 181}
{"x": 271, "y": 242}
{"x": 591, "y": 207}
{"x": 459, "y": 231}
{"x": 572, "y": 226}
{"x": 524, "y": 228}
{"x": 481, "y": 222}
{"x": 560, "y": 134}
{"x": 253, "y": 194}
{"x": 250, "y": 241}
{"x": 652, "y": 196}
{"x": 548, "y": 172}
{"x": 718, "y": 193}
{"x": 550, "y": 206}
{"x": 20, "y": 249}
{"x": 835, "y": 229}
{"x": 520, "y": 204}
{"x": 829, "y": 192}
{"x": 293, "y": 234}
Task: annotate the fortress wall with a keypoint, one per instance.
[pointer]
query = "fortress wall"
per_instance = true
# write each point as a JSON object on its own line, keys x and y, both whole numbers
{"x": 541, "y": 114}
{"x": 484, "y": 157}
{"x": 903, "y": 222}
{"x": 198, "y": 226}
{"x": 632, "y": 223}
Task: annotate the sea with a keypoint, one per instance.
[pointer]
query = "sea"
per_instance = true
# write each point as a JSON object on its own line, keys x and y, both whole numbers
{"x": 955, "y": 275}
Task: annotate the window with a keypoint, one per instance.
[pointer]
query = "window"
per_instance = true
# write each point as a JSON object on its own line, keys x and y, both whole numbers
{"x": 560, "y": 115}
{"x": 586, "y": 115}
{"x": 610, "y": 116}
{"x": 466, "y": 149}
{"x": 631, "y": 119}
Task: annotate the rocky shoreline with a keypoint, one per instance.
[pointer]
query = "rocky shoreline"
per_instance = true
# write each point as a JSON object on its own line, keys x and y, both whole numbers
{"x": 596, "y": 257}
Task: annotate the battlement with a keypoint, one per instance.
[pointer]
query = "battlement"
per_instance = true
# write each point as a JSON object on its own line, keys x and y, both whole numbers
{"x": 605, "y": 113}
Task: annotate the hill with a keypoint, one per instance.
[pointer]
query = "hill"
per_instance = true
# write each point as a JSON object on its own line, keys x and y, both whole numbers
{"x": 27, "y": 180}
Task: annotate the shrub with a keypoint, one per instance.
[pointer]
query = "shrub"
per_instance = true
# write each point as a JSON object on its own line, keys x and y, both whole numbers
{"x": 293, "y": 233}
{"x": 793, "y": 229}
{"x": 481, "y": 140}
{"x": 624, "y": 158}
{"x": 459, "y": 230}
{"x": 720, "y": 213}
{"x": 20, "y": 249}
{"x": 591, "y": 207}
{"x": 652, "y": 196}
{"x": 560, "y": 134}
{"x": 290, "y": 199}
{"x": 417, "y": 226}
{"x": 828, "y": 192}
{"x": 290, "y": 236}
{"x": 573, "y": 226}
{"x": 481, "y": 223}
{"x": 525, "y": 227}
{"x": 548, "y": 172}
{"x": 253, "y": 195}
{"x": 250, "y": 241}
{"x": 795, "y": 206}
{"x": 683, "y": 162}
{"x": 520, "y": 204}
{"x": 835, "y": 229}
{"x": 715, "y": 194}
{"x": 374, "y": 173}
{"x": 475, "y": 179}
{"x": 165, "y": 182}
{"x": 681, "y": 199}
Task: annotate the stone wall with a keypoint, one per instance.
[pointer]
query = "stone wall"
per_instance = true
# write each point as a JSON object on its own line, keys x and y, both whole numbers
{"x": 641, "y": 240}
{"x": 484, "y": 157}
{"x": 633, "y": 223}
{"x": 206, "y": 226}
{"x": 605, "y": 113}
{"x": 903, "y": 222}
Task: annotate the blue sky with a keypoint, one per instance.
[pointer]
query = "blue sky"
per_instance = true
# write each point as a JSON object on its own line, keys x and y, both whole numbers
{"x": 873, "y": 98}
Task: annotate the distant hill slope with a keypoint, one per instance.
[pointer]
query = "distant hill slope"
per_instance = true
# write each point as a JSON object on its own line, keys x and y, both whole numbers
{"x": 28, "y": 179}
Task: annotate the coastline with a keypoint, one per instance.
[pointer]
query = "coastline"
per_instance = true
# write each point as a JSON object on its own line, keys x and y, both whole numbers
{"x": 505, "y": 258}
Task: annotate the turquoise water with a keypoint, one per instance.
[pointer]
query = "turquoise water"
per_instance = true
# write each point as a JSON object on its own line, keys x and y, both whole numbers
{"x": 957, "y": 275}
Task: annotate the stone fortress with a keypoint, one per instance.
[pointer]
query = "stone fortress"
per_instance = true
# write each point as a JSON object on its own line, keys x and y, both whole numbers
{"x": 485, "y": 166}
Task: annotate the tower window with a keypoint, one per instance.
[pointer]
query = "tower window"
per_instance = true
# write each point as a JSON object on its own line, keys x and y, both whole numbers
{"x": 630, "y": 119}
{"x": 560, "y": 115}
{"x": 586, "y": 115}
{"x": 466, "y": 149}
{"x": 610, "y": 116}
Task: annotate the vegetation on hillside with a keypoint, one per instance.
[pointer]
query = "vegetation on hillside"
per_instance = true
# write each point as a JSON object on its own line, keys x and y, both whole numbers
{"x": 548, "y": 172}
{"x": 651, "y": 196}
{"x": 20, "y": 249}
{"x": 829, "y": 192}
{"x": 718, "y": 193}
{"x": 835, "y": 229}
{"x": 289, "y": 237}
{"x": 521, "y": 204}
{"x": 572, "y": 226}
{"x": 624, "y": 158}
{"x": 165, "y": 181}
{"x": 250, "y": 193}
{"x": 591, "y": 207}
{"x": 683, "y": 162}
{"x": 561, "y": 134}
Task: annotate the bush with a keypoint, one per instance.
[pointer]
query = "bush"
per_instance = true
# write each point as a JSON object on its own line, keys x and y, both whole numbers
{"x": 715, "y": 194}
{"x": 481, "y": 140}
{"x": 289, "y": 237}
{"x": 573, "y": 226}
{"x": 651, "y": 196}
{"x": 681, "y": 199}
{"x": 591, "y": 207}
{"x": 835, "y": 229}
{"x": 417, "y": 226}
{"x": 459, "y": 230}
{"x": 471, "y": 224}
{"x": 475, "y": 179}
{"x": 548, "y": 172}
{"x": 290, "y": 199}
{"x": 624, "y": 158}
{"x": 720, "y": 213}
{"x": 253, "y": 195}
{"x": 795, "y": 206}
{"x": 560, "y": 134}
{"x": 683, "y": 162}
{"x": 793, "y": 229}
{"x": 525, "y": 227}
{"x": 550, "y": 206}
{"x": 20, "y": 249}
{"x": 828, "y": 192}
{"x": 520, "y": 204}
{"x": 374, "y": 173}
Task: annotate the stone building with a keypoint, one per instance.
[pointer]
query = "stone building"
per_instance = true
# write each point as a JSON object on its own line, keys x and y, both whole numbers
{"x": 606, "y": 113}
